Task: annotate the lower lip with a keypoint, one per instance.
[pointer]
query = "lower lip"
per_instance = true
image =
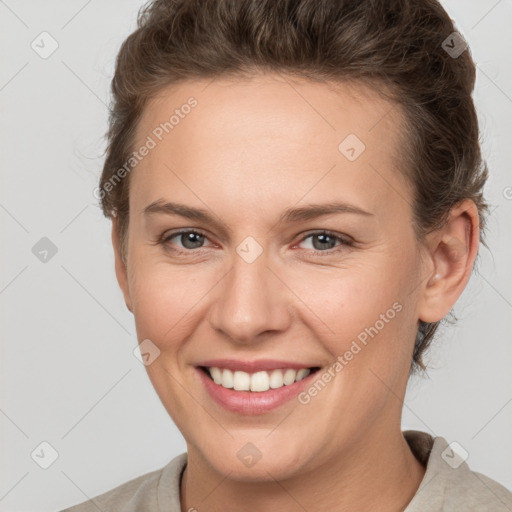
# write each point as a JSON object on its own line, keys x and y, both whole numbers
{"x": 253, "y": 402}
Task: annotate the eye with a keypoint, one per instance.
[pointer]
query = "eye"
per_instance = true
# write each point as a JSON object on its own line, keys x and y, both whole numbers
{"x": 189, "y": 238}
{"x": 324, "y": 241}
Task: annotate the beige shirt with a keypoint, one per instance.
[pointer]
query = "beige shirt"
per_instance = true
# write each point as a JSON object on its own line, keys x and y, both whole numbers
{"x": 448, "y": 485}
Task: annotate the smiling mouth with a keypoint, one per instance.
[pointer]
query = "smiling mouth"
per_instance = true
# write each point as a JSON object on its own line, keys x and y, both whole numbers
{"x": 259, "y": 381}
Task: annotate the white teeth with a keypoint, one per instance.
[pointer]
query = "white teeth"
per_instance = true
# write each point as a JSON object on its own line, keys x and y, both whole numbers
{"x": 302, "y": 373}
{"x": 276, "y": 379}
{"x": 227, "y": 379}
{"x": 241, "y": 381}
{"x": 289, "y": 376}
{"x": 259, "y": 381}
{"x": 216, "y": 375}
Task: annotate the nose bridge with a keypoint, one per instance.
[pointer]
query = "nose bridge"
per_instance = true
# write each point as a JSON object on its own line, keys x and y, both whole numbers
{"x": 251, "y": 300}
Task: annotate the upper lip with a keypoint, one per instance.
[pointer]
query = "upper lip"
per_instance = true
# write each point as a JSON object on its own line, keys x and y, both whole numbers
{"x": 254, "y": 366}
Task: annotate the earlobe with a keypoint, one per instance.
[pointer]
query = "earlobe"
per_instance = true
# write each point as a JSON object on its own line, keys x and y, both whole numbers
{"x": 452, "y": 250}
{"x": 120, "y": 265}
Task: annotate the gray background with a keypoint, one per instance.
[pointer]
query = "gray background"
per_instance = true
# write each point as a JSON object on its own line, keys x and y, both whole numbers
{"x": 68, "y": 373}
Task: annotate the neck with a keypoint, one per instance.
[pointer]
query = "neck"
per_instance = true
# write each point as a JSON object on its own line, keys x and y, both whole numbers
{"x": 379, "y": 472}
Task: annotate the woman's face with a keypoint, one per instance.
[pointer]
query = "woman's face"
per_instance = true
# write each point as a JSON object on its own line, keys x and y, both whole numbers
{"x": 259, "y": 281}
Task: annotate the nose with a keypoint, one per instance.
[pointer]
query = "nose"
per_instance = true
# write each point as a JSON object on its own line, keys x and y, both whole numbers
{"x": 252, "y": 300}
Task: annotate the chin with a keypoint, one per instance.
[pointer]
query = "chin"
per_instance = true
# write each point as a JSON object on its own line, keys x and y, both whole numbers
{"x": 257, "y": 460}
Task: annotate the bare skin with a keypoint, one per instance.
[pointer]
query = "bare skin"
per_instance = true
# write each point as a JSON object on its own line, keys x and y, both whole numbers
{"x": 248, "y": 151}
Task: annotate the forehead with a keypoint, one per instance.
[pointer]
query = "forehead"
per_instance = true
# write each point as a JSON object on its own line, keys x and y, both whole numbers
{"x": 264, "y": 137}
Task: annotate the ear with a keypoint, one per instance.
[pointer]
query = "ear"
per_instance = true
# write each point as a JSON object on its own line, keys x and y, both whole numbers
{"x": 120, "y": 264}
{"x": 451, "y": 253}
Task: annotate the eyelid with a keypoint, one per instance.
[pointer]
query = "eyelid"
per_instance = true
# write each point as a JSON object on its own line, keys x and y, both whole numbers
{"x": 183, "y": 231}
{"x": 346, "y": 242}
{"x": 344, "y": 238}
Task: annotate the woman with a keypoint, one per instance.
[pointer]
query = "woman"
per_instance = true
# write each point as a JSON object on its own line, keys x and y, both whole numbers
{"x": 295, "y": 191}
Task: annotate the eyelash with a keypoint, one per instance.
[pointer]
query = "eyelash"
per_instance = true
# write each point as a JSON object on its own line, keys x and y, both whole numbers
{"x": 164, "y": 240}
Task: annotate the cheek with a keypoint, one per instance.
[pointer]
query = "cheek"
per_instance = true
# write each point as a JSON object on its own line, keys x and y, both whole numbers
{"x": 167, "y": 299}
{"x": 365, "y": 313}
{"x": 344, "y": 301}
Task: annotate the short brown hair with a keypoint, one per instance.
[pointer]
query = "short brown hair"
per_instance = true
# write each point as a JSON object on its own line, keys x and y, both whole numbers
{"x": 394, "y": 46}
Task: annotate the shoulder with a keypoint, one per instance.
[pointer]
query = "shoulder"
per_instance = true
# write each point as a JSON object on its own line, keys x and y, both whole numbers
{"x": 144, "y": 493}
{"x": 480, "y": 493}
{"x": 449, "y": 484}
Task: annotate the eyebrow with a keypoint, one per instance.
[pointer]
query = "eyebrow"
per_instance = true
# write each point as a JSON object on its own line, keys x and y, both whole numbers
{"x": 290, "y": 215}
